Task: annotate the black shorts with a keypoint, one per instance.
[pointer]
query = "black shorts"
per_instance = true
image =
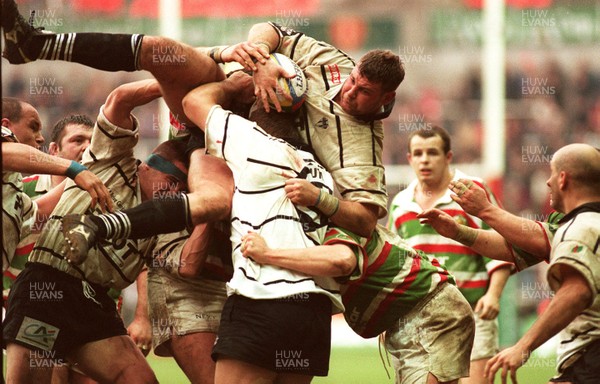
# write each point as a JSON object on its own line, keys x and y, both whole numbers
{"x": 585, "y": 370}
{"x": 291, "y": 335}
{"x": 50, "y": 310}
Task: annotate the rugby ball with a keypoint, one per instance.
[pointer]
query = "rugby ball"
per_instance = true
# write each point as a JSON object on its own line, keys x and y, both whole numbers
{"x": 295, "y": 87}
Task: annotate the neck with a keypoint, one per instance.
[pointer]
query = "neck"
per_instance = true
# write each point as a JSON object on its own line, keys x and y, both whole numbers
{"x": 577, "y": 201}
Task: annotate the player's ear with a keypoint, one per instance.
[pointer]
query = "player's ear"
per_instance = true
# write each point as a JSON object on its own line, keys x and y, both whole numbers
{"x": 388, "y": 97}
{"x": 53, "y": 149}
{"x": 5, "y": 122}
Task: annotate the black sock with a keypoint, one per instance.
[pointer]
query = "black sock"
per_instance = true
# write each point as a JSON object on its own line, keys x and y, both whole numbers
{"x": 104, "y": 51}
{"x": 150, "y": 218}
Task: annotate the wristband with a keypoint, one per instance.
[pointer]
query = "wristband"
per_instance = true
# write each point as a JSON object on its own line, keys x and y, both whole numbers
{"x": 74, "y": 169}
{"x": 327, "y": 204}
{"x": 216, "y": 52}
{"x": 466, "y": 235}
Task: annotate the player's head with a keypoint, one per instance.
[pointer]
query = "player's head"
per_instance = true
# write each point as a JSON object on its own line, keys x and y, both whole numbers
{"x": 164, "y": 171}
{"x": 574, "y": 176}
{"x": 23, "y": 120}
{"x": 372, "y": 84}
{"x": 429, "y": 153}
{"x": 71, "y": 136}
{"x": 282, "y": 125}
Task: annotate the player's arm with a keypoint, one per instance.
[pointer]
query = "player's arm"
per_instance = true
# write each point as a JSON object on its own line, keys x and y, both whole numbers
{"x": 24, "y": 158}
{"x": 323, "y": 260}
{"x": 489, "y": 243}
{"x": 195, "y": 251}
{"x": 524, "y": 233}
{"x": 262, "y": 40}
{"x": 488, "y": 306}
{"x": 356, "y": 217}
{"x": 572, "y": 298}
{"x": 198, "y": 102}
{"x": 140, "y": 329}
{"x": 123, "y": 99}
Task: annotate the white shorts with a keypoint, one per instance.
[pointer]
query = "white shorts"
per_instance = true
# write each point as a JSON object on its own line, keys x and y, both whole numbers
{"x": 435, "y": 337}
{"x": 180, "y": 306}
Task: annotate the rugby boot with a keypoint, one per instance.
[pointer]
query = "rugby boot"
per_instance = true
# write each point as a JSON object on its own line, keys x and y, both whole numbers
{"x": 20, "y": 45}
{"x": 80, "y": 236}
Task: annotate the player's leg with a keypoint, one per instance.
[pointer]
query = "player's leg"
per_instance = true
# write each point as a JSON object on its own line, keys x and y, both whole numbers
{"x": 476, "y": 370}
{"x": 293, "y": 378}
{"x": 114, "y": 360}
{"x": 485, "y": 346}
{"x": 178, "y": 67}
{"x": 236, "y": 371}
{"x": 26, "y": 366}
{"x": 192, "y": 353}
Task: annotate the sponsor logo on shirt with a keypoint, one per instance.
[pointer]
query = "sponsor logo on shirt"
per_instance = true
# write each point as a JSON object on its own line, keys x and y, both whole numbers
{"x": 336, "y": 76}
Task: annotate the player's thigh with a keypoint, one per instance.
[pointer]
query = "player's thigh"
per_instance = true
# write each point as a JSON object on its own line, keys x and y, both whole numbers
{"x": 24, "y": 367}
{"x": 236, "y": 371}
{"x": 115, "y": 360}
{"x": 476, "y": 370}
{"x": 192, "y": 353}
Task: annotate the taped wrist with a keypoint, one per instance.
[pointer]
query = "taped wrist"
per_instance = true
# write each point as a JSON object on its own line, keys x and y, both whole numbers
{"x": 327, "y": 203}
{"x": 466, "y": 235}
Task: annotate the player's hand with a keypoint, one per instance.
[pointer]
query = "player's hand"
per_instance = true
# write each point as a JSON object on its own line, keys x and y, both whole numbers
{"x": 246, "y": 53}
{"x": 509, "y": 360}
{"x": 488, "y": 307}
{"x": 470, "y": 196}
{"x": 88, "y": 181}
{"x": 266, "y": 85}
{"x": 442, "y": 222}
{"x": 301, "y": 192}
{"x": 140, "y": 331}
{"x": 254, "y": 246}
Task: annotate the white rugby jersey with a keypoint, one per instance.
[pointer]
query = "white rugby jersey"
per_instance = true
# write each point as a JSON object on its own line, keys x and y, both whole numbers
{"x": 349, "y": 148}
{"x": 17, "y": 208}
{"x": 115, "y": 263}
{"x": 260, "y": 165}
{"x": 577, "y": 244}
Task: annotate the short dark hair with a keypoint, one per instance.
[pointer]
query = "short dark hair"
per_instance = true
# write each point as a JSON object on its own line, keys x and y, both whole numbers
{"x": 283, "y": 125}
{"x": 432, "y": 131}
{"x": 382, "y": 66}
{"x": 12, "y": 108}
{"x": 58, "y": 132}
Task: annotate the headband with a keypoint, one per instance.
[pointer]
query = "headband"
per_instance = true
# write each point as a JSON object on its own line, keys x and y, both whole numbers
{"x": 161, "y": 164}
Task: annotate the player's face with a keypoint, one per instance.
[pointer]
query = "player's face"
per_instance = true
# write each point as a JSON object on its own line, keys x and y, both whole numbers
{"x": 74, "y": 142}
{"x": 28, "y": 128}
{"x": 360, "y": 97}
{"x": 427, "y": 158}
{"x": 555, "y": 194}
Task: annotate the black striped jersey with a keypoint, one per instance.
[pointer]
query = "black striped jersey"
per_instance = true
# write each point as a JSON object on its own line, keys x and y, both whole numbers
{"x": 260, "y": 165}
{"x": 577, "y": 244}
{"x": 351, "y": 149}
{"x": 114, "y": 263}
{"x": 18, "y": 211}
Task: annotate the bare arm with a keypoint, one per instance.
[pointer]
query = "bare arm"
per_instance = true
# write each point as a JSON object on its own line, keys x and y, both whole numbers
{"x": 198, "y": 102}
{"x": 572, "y": 298}
{"x": 19, "y": 157}
{"x": 488, "y": 306}
{"x": 123, "y": 99}
{"x": 354, "y": 216}
{"x": 140, "y": 329}
{"x": 524, "y": 233}
{"x": 488, "y": 243}
{"x": 323, "y": 260}
{"x": 195, "y": 251}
